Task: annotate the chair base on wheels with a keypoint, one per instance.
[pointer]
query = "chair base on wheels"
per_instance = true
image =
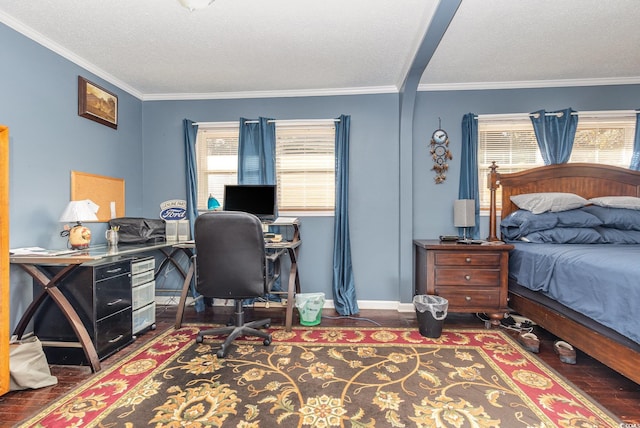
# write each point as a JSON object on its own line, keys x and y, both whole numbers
{"x": 239, "y": 329}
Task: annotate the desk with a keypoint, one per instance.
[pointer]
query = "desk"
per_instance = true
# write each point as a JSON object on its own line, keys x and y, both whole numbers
{"x": 35, "y": 265}
{"x": 274, "y": 252}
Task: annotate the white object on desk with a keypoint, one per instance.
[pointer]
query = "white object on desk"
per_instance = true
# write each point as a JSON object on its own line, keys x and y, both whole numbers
{"x": 171, "y": 230}
{"x": 284, "y": 221}
{"x": 183, "y": 230}
{"x": 38, "y": 251}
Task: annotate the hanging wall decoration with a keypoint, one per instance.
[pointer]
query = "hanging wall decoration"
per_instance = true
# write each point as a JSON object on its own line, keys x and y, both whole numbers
{"x": 440, "y": 153}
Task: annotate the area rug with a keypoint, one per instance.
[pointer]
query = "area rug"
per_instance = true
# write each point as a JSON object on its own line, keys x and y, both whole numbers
{"x": 329, "y": 377}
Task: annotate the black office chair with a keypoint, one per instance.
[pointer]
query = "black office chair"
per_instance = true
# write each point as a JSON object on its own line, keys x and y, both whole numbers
{"x": 230, "y": 264}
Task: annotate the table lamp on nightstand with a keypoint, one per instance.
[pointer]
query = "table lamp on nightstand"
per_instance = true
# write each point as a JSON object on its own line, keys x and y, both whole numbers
{"x": 464, "y": 215}
{"x": 78, "y": 211}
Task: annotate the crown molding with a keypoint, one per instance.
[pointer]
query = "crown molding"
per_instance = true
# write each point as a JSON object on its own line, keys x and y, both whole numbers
{"x": 65, "y": 53}
{"x": 528, "y": 84}
{"x": 275, "y": 93}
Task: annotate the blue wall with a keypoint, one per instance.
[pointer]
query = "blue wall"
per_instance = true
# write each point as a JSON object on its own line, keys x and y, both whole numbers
{"x": 433, "y": 204}
{"x": 373, "y": 178}
{"x": 38, "y": 101}
{"x": 47, "y": 140}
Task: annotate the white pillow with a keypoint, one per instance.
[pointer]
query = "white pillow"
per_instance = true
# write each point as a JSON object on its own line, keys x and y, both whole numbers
{"x": 629, "y": 202}
{"x": 539, "y": 203}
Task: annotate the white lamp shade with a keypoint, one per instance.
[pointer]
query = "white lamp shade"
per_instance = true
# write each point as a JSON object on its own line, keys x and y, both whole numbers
{"x": 79, "y": 211}
{"x": 464, "y": 213}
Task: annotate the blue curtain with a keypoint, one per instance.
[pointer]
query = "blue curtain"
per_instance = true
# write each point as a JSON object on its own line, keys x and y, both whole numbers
{"x": 555, "y": 133}
{"x": 257, "y": 165}
{"x": 257, "y": 151}
{"x": 190, "y": 132}
{"x": 469, "y": 188}
{"x": 344, "y": 289}
{"x": 635, "y": 159}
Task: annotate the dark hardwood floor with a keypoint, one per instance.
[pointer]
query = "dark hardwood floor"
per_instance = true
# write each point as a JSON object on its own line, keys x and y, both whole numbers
{"x": 615, "y": 392}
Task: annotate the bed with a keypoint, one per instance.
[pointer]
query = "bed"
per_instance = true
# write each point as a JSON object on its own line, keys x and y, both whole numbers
{"x": 608, "y": 330}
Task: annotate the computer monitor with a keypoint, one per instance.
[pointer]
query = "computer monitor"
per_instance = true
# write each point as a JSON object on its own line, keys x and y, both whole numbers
{"x": 256, "y": 199}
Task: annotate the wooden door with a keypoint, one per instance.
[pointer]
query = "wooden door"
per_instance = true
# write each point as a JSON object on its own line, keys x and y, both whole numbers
{"x": 4, "y": 259}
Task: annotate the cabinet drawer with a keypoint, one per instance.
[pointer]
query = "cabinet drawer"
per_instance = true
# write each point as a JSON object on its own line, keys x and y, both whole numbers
{"x": 112, "y": 296}
{"x": 141, "y": 278}
{"x": 143, "y": 295}
{"x": 112, "y": 269}
{"x": 143, "y": 265}
{"x": 113, "y": 332}
{"x": 144, "y": 317}
{"x": 470, "y": 298}
{"x": 467, "y": 277}
{"x": 443, "y": 258}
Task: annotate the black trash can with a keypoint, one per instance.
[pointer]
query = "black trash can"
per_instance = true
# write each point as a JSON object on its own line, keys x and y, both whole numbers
{"x": 431, "y": 312}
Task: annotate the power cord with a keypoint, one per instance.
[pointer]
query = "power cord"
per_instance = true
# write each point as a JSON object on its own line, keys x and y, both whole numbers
{"x": 352, "y": 318}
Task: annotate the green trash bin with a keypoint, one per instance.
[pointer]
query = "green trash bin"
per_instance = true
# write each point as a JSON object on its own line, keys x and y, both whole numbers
{"x": 310, "y": 307}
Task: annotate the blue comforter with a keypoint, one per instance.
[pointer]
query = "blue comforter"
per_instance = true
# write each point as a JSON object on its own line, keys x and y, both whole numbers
{"x": 599, "y": 281}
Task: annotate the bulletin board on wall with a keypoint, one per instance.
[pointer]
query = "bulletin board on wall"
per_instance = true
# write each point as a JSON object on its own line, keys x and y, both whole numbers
{"x": 104, "y": 191}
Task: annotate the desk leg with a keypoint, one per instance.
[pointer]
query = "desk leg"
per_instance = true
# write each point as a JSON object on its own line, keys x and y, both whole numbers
{"x": 50, "y": 286}
{"x": 169, "y": 258}
{"x": 29, "y": 313}
{"x": 292, "y": 288}
{"x": 183, "y": 296}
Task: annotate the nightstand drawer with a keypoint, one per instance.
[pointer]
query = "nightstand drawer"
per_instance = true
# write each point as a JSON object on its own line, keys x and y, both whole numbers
{"x": 470, "y": 298}
{"x": 467, "y": 277}
{"x": 466, "y": 259}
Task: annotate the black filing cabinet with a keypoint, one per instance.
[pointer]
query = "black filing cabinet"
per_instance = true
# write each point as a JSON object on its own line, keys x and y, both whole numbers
{"x": 100, "y": 292}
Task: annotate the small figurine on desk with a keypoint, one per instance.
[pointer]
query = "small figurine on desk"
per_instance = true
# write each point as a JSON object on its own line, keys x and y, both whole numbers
{"x": 212, "y": 203}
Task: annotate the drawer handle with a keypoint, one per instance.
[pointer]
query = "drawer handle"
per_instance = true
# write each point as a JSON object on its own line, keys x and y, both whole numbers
{"x": 115, "y": 339}
{"x": 467, "y": 277}
{"x": 114, "y": 302}
{"x": 467, "y": 298}
{"x": 116, "y": 270}
{"x": 468, "y": 260}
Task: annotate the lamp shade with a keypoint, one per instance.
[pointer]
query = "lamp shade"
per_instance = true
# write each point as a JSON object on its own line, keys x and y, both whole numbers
{"x": 464, "y": 213}
{"x": 79, "y": 211}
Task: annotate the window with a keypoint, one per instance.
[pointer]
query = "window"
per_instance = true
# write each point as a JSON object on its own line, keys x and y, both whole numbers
{"x": 601, "y": 137}
{"x": 305, "y": 164}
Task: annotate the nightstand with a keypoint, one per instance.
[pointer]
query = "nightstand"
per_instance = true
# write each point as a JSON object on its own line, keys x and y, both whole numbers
{"x": 472, "y": 277}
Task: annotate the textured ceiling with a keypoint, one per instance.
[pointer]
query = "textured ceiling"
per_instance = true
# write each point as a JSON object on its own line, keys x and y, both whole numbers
{"x": 156, "y": 49}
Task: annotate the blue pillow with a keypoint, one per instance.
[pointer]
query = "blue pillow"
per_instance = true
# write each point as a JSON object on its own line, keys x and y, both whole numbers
{"x": 618, "y": 236}
{"x": 577, "y": 218}
{"x": 617, "y": 218}
{"x": 522, "y": 222}
{"x": 565, "y": 235}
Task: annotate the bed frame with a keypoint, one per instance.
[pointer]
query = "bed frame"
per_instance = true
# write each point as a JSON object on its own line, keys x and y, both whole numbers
{"x": 588, "y": 181}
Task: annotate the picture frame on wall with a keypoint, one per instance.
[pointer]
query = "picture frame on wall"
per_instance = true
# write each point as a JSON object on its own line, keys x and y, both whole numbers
{"x": 97, "y": 104}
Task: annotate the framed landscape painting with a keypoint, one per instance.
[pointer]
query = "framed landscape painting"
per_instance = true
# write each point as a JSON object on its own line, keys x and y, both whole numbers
{"x": 97, "y": 104}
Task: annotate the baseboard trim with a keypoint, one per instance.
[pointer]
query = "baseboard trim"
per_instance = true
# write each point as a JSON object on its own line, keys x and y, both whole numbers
{"x": 328, "y": 304}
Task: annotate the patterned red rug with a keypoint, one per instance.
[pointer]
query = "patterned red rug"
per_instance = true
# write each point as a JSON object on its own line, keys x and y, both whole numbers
{"x": 329, "y": 377}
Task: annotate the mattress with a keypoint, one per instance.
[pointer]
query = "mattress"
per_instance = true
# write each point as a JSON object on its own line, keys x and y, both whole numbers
{"x": 601, "y": 282}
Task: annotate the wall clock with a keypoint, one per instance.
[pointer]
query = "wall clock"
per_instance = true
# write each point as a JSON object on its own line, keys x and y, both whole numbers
{"x": 440, "y": 154}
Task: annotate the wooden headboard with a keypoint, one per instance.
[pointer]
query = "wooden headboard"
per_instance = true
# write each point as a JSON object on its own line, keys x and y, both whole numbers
{"x": 584, "y": 179}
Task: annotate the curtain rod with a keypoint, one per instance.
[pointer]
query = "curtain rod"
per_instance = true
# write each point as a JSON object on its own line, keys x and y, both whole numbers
{"x": 270, "y": 121}
{"x": 603, "y": 113}
{"x": 293, "y": 121}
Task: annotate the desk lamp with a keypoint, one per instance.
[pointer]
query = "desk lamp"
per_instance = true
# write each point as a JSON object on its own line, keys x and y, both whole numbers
{"x": 464, "y": 215}
{"x": 79, "y": 211}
